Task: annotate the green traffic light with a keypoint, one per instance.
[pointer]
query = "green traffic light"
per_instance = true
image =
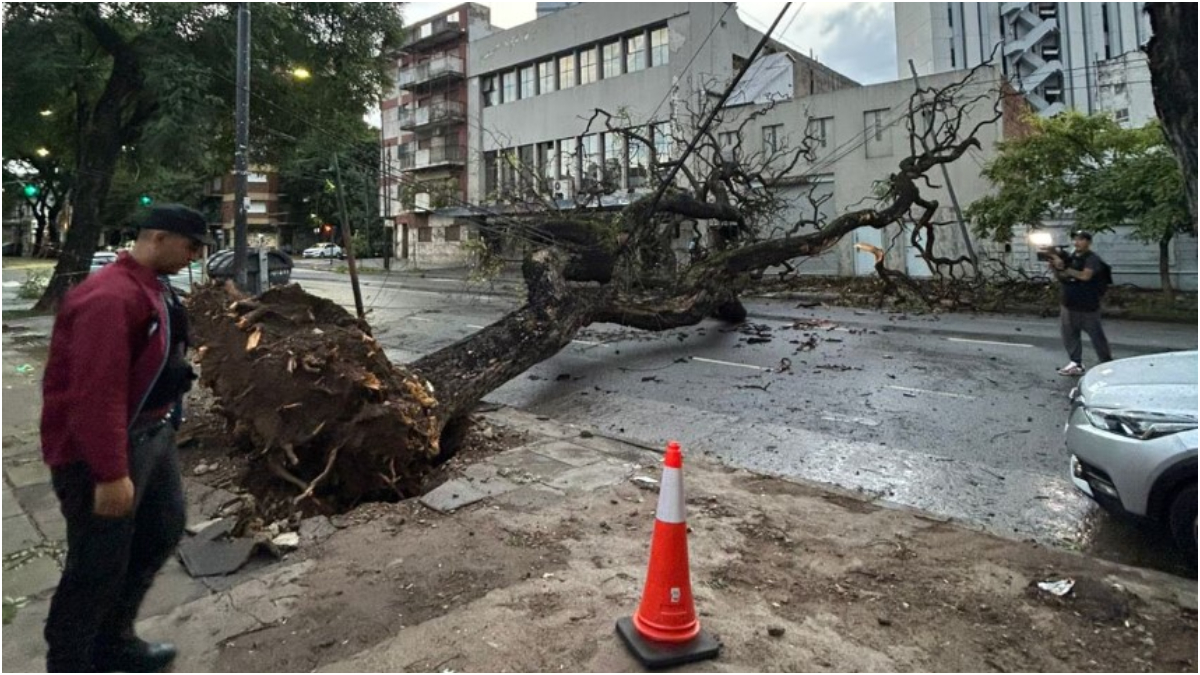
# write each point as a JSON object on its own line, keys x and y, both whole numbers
{"x": 31, "y": 191}
{"x": 145, "y": 200}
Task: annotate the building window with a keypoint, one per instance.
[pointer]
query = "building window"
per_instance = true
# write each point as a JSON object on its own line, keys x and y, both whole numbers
{"x": 566, "y": 71}
{"x": 614, "y": 157}
{"x": 453, "y": 233}
{"x": 256, "y": 177}
{"x": 509, "y": 82}
{"x": 425, "y": 235}
{"x": 771, "y": 138}
{"x": 660, "y": 48}
{"x": 639, "y": 159}
{"x": 612, "y": 59}
{"x": 820, "y": 130}
{"x": 488, "y": 87}
{"x": 257, "y": 206}
{"x": 662, "y": 142}
{"x": 635, "y": 53}
{"x": 1119, "y": 88}
{"x": 546, "y": 161}
{"x": 566, "y": 158}
{"x": 491, "y": 173}
{"x": 879, "y": 135}
{"x": 589, "y": 148}
{"x": 1122, "y": 116}
{"x": 528, "y": 82}
{"x": 728, "y": 139}
{"x": 546, "y": 76}
{"x": 589, "y": 66}
{"x": 526, "y": 169}
{"x": 950, "y": 14}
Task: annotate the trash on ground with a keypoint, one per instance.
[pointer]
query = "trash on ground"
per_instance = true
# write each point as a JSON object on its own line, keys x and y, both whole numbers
{"x": 645, "y": 482}
{"x": 1057, "y": 588}
{"x": 24, "y": 369}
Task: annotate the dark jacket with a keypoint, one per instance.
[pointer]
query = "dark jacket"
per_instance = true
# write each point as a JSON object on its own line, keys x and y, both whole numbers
{"x": 108, "y": 347}
{"x": 1080, "y": 295}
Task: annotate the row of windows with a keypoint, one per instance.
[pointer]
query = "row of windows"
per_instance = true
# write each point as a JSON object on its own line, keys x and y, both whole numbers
{"x": 628, "y": 54}
{"x": 604, "y": 157}
{"x": 773, "y": 139}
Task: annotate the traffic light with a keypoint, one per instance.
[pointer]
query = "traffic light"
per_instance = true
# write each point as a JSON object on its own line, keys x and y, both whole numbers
{"x": 145, "y": 200}
{"x": 31, "y": 191}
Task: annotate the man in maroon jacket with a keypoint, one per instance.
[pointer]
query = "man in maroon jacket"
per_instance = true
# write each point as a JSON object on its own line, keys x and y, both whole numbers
{"x": 117, "y": 368}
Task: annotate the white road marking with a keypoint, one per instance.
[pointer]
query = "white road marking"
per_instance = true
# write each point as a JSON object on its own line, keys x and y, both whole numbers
{"x": 862, "y": 421}
{"x": 989, "y": 342}
{"x": 727, "y": 363}
{"x": 418, "y": 318}
{"x": 930, "y": 391}
{"x": 588, "y": 342}
{"x": 471, "y": 325}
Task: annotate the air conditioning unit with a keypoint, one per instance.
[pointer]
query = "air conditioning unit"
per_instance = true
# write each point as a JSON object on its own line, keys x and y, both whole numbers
{"x": 563, "y": 189}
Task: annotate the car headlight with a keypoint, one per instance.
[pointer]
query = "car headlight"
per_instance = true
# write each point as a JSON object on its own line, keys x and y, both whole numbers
{"x": 1139, "y": 424}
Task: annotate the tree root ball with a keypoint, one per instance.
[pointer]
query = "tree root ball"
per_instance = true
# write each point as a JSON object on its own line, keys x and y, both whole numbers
{"x": 311, "y": 393}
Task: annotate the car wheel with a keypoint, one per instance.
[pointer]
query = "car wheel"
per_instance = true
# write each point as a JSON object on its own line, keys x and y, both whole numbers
{"x": 1183, "y": 521}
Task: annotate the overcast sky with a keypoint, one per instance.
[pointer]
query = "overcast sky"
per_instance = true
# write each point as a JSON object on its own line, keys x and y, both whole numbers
{"x": 857, "y": 39}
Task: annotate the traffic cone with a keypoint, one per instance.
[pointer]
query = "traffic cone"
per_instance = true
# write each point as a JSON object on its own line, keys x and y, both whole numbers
{"x": 665, "y": 631}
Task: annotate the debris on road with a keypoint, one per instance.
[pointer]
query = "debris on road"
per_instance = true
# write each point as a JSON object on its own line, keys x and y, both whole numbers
{"x": 776, "y": 631}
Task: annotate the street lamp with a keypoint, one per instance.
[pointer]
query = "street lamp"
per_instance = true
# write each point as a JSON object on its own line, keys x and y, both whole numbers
{"x": 42, "y": 152}
{"x": 46, "y": 113}
{"x": 301, "y": 73}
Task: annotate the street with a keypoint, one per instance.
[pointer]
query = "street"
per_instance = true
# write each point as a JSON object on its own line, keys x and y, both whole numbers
{"x": 957, "y": 415}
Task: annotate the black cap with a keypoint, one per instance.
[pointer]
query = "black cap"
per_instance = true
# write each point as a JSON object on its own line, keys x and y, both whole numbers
{"x": 179, "y": 219}
{"x": 1081, "y": 234}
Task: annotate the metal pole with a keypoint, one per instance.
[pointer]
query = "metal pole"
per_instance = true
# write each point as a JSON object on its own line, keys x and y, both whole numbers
{"x": 962, "y": 224}
{"x": 242, "y": 149}
{"x": 348, "y": 239}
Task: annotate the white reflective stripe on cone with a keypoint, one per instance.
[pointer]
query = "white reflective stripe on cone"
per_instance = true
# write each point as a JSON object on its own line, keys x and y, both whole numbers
{"x": 670, "y": 497}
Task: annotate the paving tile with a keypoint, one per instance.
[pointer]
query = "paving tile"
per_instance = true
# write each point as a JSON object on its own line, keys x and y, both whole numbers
{"x": 623, "y": 451}
{"x": 24, "y": 646}
{"x": 37, "y": 497}
{"x": 592, "y": 477}
{"x": 523, "y": 462}
{"x": 34, "y": 577}
{"x": 460, "y": 492}
{"x": 172, "y": 587}
{"x": 51, "y": 523}
{"x": 26, "y": 471}
{"x": 19, "y": 534}
{"x": 523, "y": 421}
{"x": 566, "y": 452}
{"x": 9, "y": 504}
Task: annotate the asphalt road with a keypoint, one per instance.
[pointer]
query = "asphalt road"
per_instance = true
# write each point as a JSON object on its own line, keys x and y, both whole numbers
{"x": 957, "y": 415}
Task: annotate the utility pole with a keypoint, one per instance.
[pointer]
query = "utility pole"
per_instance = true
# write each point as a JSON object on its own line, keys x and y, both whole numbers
{"x": 348, "y": 238}
{"x": 241, "y": 159}
{"x": 958, "y": 214}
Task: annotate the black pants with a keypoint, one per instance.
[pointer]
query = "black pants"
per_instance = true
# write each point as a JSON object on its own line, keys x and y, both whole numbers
{"x": 1074, "y": 322}
{"x": 111, "y": 562}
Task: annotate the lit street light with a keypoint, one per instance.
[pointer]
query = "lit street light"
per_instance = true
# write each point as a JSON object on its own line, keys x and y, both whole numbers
{"x": 46, "y": 113}
{"x": 42, "y": 152}
{"x": 301, "y": 73}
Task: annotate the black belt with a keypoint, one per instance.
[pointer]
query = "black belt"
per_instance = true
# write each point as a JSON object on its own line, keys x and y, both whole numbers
{"x": 142, "y": 431}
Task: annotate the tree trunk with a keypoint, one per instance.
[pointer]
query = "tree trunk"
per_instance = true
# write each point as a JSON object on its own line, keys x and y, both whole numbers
{"x": 1164, "y": 267}
{"x": 1172, "y": 57}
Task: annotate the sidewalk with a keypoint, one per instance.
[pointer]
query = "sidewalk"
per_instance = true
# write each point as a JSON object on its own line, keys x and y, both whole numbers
{"x": 525, "y": 560}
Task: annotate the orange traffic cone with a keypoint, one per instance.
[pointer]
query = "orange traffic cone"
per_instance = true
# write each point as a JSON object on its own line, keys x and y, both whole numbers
{"x": 664, "y": 631}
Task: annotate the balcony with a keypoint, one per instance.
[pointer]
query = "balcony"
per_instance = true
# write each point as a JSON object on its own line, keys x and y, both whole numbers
{"x": 431, "y": 158}
{"x": 433, "y": 33}
{"x": 438, "y": 114}
{"x": 429, "y": 73}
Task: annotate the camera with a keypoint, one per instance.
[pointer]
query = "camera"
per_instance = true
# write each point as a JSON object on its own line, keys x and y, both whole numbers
{"x": 1049, "y": 253}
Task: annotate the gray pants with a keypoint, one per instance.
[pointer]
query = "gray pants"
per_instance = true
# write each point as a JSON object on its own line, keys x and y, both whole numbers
{"x": 1075, "y": 322}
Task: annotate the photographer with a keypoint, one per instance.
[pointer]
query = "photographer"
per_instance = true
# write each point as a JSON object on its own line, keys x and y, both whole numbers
{"x": 1081, "y": 277}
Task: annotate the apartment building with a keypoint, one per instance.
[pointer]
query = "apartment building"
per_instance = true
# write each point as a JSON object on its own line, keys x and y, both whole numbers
{"x": 1061, "y": 55}
{"x": 267, "y": 219}
{"x": 424, "y": 120}
{"x": 531, "y": 90}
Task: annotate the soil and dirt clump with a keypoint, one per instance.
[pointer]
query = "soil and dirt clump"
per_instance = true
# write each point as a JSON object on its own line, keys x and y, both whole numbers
{"x": 312, "y": 399}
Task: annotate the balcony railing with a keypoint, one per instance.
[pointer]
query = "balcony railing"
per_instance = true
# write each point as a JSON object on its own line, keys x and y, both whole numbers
{"x": 446, "y": 112}
{"x": 440, "y": 155}
{"x": 432, "y": 33}
{"x": 428, "y": 72}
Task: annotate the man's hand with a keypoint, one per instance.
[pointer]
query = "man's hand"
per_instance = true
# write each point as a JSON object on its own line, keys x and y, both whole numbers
{"x": 1059, "y": 263}
{"x": 114, "y": 499}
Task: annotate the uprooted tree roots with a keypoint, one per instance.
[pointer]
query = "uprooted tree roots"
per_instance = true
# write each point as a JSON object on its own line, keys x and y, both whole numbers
{"x": 309, "y": 392}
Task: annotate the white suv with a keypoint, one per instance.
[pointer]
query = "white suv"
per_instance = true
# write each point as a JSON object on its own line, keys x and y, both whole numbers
{"x": 323, "y": 250}
{"x": 1132, "y": 438}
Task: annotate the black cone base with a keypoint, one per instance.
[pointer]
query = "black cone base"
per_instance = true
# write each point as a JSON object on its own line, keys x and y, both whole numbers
{"x": 664, "y": 655}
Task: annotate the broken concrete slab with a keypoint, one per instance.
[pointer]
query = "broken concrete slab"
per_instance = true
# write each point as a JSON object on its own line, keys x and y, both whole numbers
{"x": 173, "y": 586}
{"x": 316, "y": 529}
{"x": 566, "y": 452}
{"x": 526, "y": 462}
{"x": 460, "y": 492}
{"x": 211, "y": 553}
{"x": 592, "y": 477}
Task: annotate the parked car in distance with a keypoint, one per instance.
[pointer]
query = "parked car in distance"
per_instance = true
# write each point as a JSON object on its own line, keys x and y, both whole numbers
{"x": 102, "y": 258}
{"x": 1131, "y": 434}
{"x": 324, "y": 250}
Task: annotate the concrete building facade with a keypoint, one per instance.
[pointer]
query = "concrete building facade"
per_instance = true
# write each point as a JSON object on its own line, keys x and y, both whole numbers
{"x": 267, "y": 216}
{"x": 1059, "y": 54}
{"x": 424, "y": 130}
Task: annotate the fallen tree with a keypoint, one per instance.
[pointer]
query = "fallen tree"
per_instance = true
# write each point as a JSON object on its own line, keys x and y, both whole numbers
{"x": 325, "y": 415}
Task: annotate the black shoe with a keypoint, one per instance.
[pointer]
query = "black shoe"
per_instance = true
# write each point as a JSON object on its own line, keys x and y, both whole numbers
{"x": 135, "y": 656}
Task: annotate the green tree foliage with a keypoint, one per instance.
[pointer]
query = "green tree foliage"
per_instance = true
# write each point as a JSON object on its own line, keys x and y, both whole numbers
{"x": 146, "y": 94}
{"x": 1090, "y": 168}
